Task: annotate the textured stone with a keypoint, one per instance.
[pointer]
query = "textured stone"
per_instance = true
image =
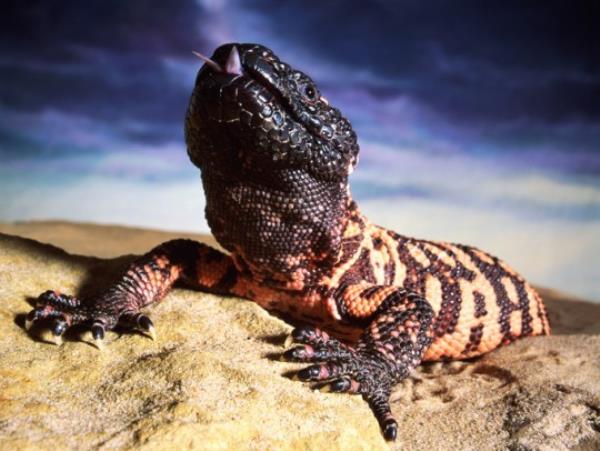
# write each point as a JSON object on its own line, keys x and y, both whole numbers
{"x": 211, "y": 380}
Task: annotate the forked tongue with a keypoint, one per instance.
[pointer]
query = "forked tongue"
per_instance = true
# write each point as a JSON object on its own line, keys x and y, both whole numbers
{"x": 233, "y": 66}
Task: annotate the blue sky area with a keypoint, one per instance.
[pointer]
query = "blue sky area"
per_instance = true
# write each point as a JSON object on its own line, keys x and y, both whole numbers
{"x": 478, "y": 122}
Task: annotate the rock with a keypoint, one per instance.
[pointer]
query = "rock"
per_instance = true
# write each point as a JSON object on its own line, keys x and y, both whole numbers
{"x": 211, "y": 380}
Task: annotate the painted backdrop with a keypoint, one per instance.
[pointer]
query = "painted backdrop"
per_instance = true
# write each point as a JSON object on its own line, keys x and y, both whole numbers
{"x": 479, "y": 122}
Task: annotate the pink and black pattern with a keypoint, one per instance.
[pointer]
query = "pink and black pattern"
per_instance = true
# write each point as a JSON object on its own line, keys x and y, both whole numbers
{"x": 275, "y": 158}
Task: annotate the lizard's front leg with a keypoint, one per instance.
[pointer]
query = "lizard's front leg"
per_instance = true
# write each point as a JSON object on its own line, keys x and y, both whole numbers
{"x": 397, "y": 333}
{"x": 147, "y": 280}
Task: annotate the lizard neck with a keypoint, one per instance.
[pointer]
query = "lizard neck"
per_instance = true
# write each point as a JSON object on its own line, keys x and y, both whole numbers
{"x": 285, "y": 234}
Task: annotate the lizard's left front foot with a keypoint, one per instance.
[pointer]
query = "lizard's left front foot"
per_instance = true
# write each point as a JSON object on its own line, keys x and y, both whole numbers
{"x": 345, "y": 369}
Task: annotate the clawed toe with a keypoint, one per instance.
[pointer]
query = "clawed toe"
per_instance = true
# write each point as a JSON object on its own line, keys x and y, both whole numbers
{"x": 341, "y": 385}
{"x": 378, "y": 397}
{"x": 317, "y": 346}
{"x": 303, "y": 353}
{"x": 145, "y": 324}
{"x": 58, "y": 329}
{"x": 51, "y": 305}
{"x": 31, "y": 318}
{"x": 390, "y": 430}
{"x": 313, "y": 373}
{"x": 325, "y": 371}
{"x": 307, "y": 335}
{"x": 98, "y": 334}
{"x": 140, "y": 322}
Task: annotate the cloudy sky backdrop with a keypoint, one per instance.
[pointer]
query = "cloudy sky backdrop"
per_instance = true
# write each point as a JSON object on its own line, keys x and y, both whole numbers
{"x": 479, "y": 122}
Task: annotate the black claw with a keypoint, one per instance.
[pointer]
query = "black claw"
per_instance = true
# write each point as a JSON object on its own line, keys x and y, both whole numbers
{"x": 98, "y": 332}
{"x": 303, "y": 334}
{"x": 33, "y": 315}
{"x": 298, "y": 333}
{"x": 59, "y": 328}
{"x": 290, "y": 354}
{"x": 309, "y": 374}
{"x": 390, "y": 430}
{"x": 340, "y": 385}
{"x": 145, "y": 323}
{"x": 297, "y": 353}
{"x": 47, "y": 295}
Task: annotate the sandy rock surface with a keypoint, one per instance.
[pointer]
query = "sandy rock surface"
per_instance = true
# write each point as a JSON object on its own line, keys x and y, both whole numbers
{"x": 212, "y": 379}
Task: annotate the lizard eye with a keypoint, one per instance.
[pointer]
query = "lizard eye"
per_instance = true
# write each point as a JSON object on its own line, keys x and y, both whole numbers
{"x": 310, "y": 92}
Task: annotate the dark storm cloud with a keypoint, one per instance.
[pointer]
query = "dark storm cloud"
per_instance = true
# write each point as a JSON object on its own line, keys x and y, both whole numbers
{"x": 477, "y": 61}
{"x": 465, "y": 76}
{"x": 99, "y": 59}
{"x": 50, "y": 29}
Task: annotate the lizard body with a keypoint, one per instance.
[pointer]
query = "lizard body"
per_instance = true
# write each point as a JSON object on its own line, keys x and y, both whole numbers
{"x": 275, "y": 159}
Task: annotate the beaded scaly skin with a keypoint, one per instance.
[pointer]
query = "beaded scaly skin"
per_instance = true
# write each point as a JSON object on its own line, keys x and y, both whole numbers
{"x": 275, "y": 159}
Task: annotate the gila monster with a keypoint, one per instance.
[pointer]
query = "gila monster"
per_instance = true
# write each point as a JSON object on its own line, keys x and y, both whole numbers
{"x": 275, "y": 158}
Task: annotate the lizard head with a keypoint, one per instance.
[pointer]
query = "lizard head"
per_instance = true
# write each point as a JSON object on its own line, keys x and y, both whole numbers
{"x": 274, "y": 158}
{"x": 252, "y": 112}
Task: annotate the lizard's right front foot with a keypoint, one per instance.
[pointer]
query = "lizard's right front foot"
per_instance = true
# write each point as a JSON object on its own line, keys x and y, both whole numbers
{"x": 60, "y": 312}
{"x": 341, "y": 368}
